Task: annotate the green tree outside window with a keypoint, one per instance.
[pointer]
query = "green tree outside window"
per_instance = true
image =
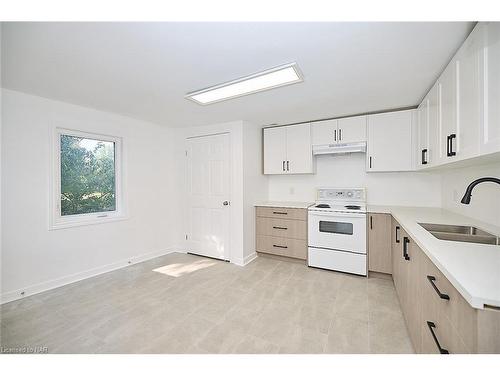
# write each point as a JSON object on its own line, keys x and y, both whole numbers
{"x": 87, "y": 176}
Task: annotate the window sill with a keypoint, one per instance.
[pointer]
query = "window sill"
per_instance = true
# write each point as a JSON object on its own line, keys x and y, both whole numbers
{"x": 85, "y": 222}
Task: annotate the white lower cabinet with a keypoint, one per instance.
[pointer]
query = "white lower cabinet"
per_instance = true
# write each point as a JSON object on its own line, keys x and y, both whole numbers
{"x": 390, "y": 142}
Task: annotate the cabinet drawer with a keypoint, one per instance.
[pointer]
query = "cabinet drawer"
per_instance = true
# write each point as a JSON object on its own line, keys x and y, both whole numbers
{"x": 267, "y": 226}
{"x": 446, "y": 335}
{"x": 287, "y": 247}
{"x": 282, "y": 213}
{"x": 450, "y": 305}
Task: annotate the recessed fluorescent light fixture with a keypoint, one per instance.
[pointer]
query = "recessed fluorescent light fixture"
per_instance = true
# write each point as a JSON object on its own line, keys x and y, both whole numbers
{"x": 269, "y": 79}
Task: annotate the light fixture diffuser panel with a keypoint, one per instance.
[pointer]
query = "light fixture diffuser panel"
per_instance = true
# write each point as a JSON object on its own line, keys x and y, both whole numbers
{"x": 280, "y": 76}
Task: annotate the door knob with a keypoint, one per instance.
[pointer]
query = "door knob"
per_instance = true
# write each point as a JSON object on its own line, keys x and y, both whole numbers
{"x": 225, "y": 203}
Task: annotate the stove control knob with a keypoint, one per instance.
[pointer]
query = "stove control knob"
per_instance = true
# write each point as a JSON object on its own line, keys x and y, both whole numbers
{"x": 349, "y": 194}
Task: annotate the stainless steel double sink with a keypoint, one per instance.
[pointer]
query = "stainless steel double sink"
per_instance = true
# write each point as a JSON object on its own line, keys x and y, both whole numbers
{"x": 461, "y": 233}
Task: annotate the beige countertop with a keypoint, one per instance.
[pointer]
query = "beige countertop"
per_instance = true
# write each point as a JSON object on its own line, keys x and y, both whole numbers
{"x": 473, "y": 269}
{"x": 284, "y": 204}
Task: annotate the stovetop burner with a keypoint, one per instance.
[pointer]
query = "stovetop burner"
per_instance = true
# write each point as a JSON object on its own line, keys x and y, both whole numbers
{"x": 322, "y": 205}
{"x": 352, "y": 207}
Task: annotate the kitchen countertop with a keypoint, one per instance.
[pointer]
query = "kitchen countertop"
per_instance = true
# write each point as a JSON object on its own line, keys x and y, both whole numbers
{"x": 473, "y": 269}
{"x": 284, "y": 204}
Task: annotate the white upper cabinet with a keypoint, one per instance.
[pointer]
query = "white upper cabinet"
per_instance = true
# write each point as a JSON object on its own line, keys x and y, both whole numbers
{"x": 390, "y": 143}
{"x": 325, "y": 132}
{"x": 467, "y": 65}
{"x": 352, "y": 129}
{"x": 423, "y": 134}
{"x": 275, "y": 150}
{"x": 344, "y": 130}
{"x": 463, "y": 107}
{"x": 447, "y": 114}
{"x": 287, "y": 150}
{"x": 490, "y": 125}
{"x": 298, "y": 149}
{"x": 432, "y": 126}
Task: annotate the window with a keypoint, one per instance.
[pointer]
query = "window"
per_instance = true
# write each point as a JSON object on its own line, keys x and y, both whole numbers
{"x": 87, "y": 181}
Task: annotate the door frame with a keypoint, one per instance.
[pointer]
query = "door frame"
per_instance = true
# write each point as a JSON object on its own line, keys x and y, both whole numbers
{"x": 228, "y": 249}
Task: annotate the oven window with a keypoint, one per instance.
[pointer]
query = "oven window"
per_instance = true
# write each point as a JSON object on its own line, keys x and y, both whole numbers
{"x": 335, "y": 227}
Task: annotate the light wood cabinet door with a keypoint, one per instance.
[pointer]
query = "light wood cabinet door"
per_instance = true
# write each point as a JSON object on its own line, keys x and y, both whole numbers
{"x": 299, "y": 149}
{"x": 390, "y": 146}
{"x": 414, "y": 295}
{"x": 397, "y": 260}
{"x": 275, "y": 150}
{"x": 352, "y": 129}
{"x": 379, "y": 243}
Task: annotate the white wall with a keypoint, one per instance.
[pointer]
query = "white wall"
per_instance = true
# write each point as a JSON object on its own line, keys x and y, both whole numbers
{"x": 35, "y": 258}
{"x": 255, "y": 184}
{"x": 485, "y": 201}
{"x": 401, "y": 188}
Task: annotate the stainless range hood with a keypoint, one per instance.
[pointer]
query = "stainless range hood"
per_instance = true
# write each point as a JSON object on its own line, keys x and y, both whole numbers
{"x": 339, "y": 148}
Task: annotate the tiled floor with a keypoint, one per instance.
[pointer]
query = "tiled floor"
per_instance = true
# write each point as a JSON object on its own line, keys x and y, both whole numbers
{"x": 199, "y": 305}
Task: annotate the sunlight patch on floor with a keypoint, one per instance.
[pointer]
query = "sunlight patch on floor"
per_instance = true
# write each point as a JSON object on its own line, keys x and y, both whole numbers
{"x": 180, "y": 269}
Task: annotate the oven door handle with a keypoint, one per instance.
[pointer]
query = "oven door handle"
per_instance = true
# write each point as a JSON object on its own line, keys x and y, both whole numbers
{"x": 336, "y": 215}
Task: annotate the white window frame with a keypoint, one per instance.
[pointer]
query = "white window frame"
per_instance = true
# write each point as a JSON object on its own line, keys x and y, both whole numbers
{"x": 58, "y": 221}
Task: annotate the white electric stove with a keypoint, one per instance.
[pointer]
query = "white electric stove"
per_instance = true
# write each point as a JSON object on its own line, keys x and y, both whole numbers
{"x": 337, "y": 230}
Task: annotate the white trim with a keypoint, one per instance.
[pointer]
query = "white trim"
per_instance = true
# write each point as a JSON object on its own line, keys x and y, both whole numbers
{"x": 244, "y": 261}
{"x": 69, "y": 279}
{"x": 56, "y": 221}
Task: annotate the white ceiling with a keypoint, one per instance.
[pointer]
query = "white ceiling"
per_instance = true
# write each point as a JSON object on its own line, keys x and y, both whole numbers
{"x": 143, "y": 70}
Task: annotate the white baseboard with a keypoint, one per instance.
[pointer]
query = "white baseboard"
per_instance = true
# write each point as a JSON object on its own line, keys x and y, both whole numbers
{"x": 56, "y": 283}
{"x": 244, "y": 261}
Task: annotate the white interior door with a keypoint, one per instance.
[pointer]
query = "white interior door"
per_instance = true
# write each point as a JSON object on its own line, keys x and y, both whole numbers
{"x": 208, "y": 195}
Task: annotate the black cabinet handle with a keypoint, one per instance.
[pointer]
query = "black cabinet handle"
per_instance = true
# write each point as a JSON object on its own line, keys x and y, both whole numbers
{"x": 288, "y": 165}
{"x": 424, "y": 156}
{"x": 452, "y": 137}
{"x": 431, "y": 326}
{"x": 335, "y": 135}
{"x": 441, "y": 295}
{"x": 282, "y": 247}
{"x": 283, "y": 165}
{"x": 340, "y": 134}
{"x": 397, "y": 232}
{"x": 406, "y": 241}
{"x": 448, "y": 145}
{"x": 370, "y": 161}
{"x": 279, "y": 213}
{"x": 371, "y": 222}
{"x": 283, "y": 228}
